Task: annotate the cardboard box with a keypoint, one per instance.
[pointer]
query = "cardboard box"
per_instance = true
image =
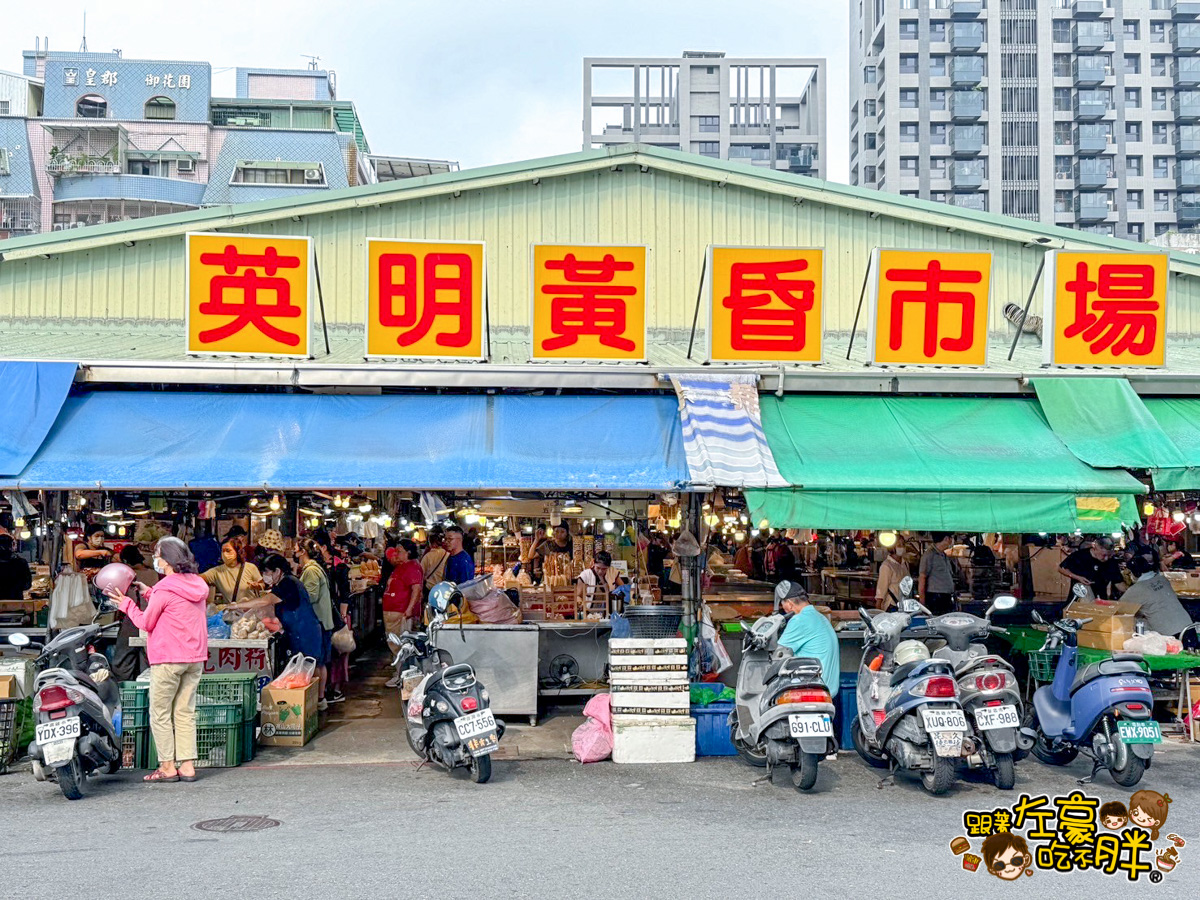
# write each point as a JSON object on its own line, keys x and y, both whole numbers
{"x": 1112, "y": 639}
{"x": 1111, "y": 622}
{"x": 288, "y": 717}
{"x": 1043, "y": 567}
{"x": 1184, "y": 582}
{"x": 8, "y": 687}
{"x": 21, "y": 668}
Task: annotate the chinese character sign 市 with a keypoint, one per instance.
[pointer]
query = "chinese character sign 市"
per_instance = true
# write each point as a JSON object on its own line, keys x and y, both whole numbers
{"x": 765, "y": 304}
{"x": 1106, "y": 309}
{"x": 425, "y": 299}
{"x": 248, "y": 294}
{"x": 930, "y": 308}
{"x": 589, "y": 302}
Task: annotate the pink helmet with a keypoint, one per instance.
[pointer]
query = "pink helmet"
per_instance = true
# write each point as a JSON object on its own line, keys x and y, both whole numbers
{"x": 115, "y": 575}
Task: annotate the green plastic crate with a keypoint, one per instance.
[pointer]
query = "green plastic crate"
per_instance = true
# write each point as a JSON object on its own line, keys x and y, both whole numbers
{"x": 248, "y": 743}
{"x": 135, "y": 744}
{"x": 135, "y": 704}
{"x": 237, "y": 687}
{"x": 217, "y": 747}
{"x": 210, "y": 713}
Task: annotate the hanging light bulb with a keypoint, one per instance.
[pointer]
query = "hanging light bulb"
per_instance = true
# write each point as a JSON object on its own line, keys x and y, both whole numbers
{"x": 744, "y": 519}
{"x": 528, "y": 529}
{"x": 20, "y": 523}
{"x": 887, "y": 539}
{"x": 754, "y": 532}
{"x": 1178, "y": 515}
{"x": 739, "y": 536}
{"x": 121, "y": 531}
{"x": 24, "y": 534}
{"x": 471, "y": 518}
{"x": 675, "y": 521}
{"x": 253, "y": 502}
{"x": 364, "y": 507}
{"x": 764, "y": 525}
{"x": 609, "y": 525}
{"x": 1148, "y": 508}
{"x": 275, "y": 504}
{"x": 112, "y": 529}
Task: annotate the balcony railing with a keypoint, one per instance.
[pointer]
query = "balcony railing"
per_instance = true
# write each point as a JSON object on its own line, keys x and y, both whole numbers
{"x": 1185, "y": 9}
{"x": 966, "y": 174}
{"x": 966, "y": 71}
{"x": 1088, "y": 9}
{"x": 1091, "y": 206}
{"x": 130, "y": 187}
{"x": 1187, "y": 140}
{"x": 1187, "y": 208}
{"x": 1090, "y": 71}
{"x": 82, "y": 165}
{"x": 965, "y": 37}
{"x": 966, "y": 106}
{"x": 1092, "y": 139}
{"x": 1187, "y": 71}
{"x": 1185, "y": 37}
{"x": 1187, "y": 106}
{"x": 1092, "y": 173}
{"x": 966, "y": 9}
{"x": 1187, "y": 174}
{"x": 1089, "y": 36}
{"x": 966, "y": 140}
{"x": 1091, "y": 105}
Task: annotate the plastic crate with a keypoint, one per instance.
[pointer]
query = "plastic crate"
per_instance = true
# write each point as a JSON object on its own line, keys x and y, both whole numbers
{"x": 1042, "y": 663}
{"x": 211, "y": 713}
{"x": 239, "y": 687}
{"x": 134, "y": 747}
{"x": 712, "y": 729}
{"x": 10, "y": 732}
{"x": 135, "y": 704}
{"x": 217, "y": 747}
{"x": 248, "y": 742}
{"x": 846, "y": 704}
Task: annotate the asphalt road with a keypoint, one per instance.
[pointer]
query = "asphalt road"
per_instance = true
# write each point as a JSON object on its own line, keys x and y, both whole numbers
{"x": 540, "y": 829}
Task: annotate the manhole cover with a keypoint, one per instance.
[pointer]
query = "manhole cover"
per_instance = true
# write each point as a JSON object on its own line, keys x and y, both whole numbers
{"x": 236, "y": 824}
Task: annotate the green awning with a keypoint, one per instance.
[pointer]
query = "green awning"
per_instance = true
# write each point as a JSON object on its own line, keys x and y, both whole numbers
{"x": 1180, "y": 421}
{"x": 943, "y": 463}
{"x": 1107, "y": 425}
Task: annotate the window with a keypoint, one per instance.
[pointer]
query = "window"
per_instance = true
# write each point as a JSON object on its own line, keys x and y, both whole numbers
{"x": 709, "y": 148}
{"x": 937, "y": 132}
{"x": 869, "y": 174}
{"x": 937, "y": 31}
{"x": 161, "y": 108}
{"x": 708, "y": 123}
{"x": 908, "y": 30}
{"x": 1132, "y": 29}
{"x": 908, "y": 165}
{"x": 1133, "y": 167}
{"x": 1162, "y": 167}
{"x": 868, "y": 107}
{"x": 4, "y": 107}
{"x": 1133, "y": 199}
{"x": 937, "y": 99}
{"x": 311, "y": 174}
{"x": 1063, "y": 167}
{"x": 1158, "y": 32}
{"x": 937, "y": 65}
{"x": 1161, "y": 228}
{"x": 909, "y": 64}
{"x": 1133, "y": 98}
{"x": 868, "y": 74}
{"x": 910, "y": 132}
{"x": 1062, "y": 31}
{"x": 1062, "y": 201}
{"x": 1158, "y": 65}
{"x": 1133, "y": 131}
{"x": 1062, "y": 133}
{"x": 937, "y": 167}
{"x": 1062, "y": 100}
{"x": 1062, "y": 65}
{"x": 915, "y": 195}
{"x": 1158, "y": 99}
{"x": 1133, "y": 63}
{"x": 1162, "y": 133}
{"x": 3, "y": 160}
{"x": 1162, "y": 201}
{"x": 910, "y": 98}
{"x": 1137, "y": 231}
{"x": 93, "y": 106}
{"x": 869, "y": 140}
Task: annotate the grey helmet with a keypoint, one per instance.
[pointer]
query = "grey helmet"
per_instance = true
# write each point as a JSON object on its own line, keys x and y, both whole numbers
{"x": 444, "y": 595}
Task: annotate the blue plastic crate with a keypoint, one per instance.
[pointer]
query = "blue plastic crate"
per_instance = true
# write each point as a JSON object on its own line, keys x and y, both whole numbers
{"x": 846, "y": 705}
{"x": 712, "y": 729}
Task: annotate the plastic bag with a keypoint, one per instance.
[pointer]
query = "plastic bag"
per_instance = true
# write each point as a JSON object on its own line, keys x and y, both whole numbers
{"x": 298, "y": 673}
{"x": 495, "y": 608}
{"x": 249, "y": 628}
{"x": 1149, "y": 644}
{"x": 217, "y": 629}
{"x": 593, "y": 740}
{"x": 685, "y": 545}
{"x": 343, "y": 640}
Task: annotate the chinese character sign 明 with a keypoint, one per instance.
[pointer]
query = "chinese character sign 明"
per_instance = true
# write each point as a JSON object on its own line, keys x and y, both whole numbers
{"x": 1106, "y": 309}
{"x": 248, "y": 294}
{"x": 930, "y": 308}
{"x": 765, "y": 305}
{"x": 589, "y": 302}
{"x": 425, "y": 299}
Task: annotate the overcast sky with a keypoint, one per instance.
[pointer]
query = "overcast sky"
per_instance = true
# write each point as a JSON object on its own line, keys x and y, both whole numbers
{"x": 479, "y": 82}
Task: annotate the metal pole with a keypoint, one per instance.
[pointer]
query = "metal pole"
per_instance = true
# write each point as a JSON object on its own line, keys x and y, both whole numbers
{"x": 321, "y": 300}
{"x": 1028, "y": 302}
{"x": 861, "y": 296}
{"x": 699, "y": 299}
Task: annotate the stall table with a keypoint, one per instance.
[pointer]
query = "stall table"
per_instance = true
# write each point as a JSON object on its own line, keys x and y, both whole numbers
{"x": 237, "y": 656}
{"x": 831, "y": 578}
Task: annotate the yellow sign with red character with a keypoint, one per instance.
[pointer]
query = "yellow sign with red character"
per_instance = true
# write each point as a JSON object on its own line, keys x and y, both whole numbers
{"x": 589, "y": 302}
{"x": 765, "y": 304}
{"x": 929, "y": 308}
{"x": 1105, "y": 309}
{"x": 426, "y": 299}
{"x": 248, "y": 295}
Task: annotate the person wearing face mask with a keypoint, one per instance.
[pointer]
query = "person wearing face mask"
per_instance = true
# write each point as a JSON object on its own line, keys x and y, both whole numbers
{"x": 232, "y": 580}
{"x": 316, "y": 581}
{"x": 177, "y": 648}
{"x": 287, "y": 600}
{"x": 91, "y": 555}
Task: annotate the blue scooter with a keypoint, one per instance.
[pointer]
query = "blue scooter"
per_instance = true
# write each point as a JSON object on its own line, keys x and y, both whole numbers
{"x": 1103, "y": 710}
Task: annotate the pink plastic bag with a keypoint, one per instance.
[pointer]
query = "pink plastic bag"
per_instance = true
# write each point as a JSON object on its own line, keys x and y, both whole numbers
{"x": 495, "y": 608}
{"x": 593, "y": 740}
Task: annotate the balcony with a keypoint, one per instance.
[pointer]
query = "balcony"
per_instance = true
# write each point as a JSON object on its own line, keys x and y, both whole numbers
{"x": 1091, "y": 105}
{"x": 1091, "y": 206}
{"x": 966, "y": 9}
{"x": 81, "y": 164}
{"x": 1187, "y": 106}
{"x": 1185, "y": 37}
{"x": 1088, "y": 37}
{"x": 800, "y": 161}
{"x": 966, "y": 106}
{"x": 1187, "y": 71}
{"x": 1090, "y": 71}
{"x": 966, "y": 71}
{"x": 1187, "y": 174}
{"x": 1187, "y": 209}
{"x": 1091, "y": 174}
{"x": 976, "y": 201}
{"x": 966, "y": 174}
{"x": 967, "y": 140}
{"x": 1185, "y": 9}
{"x": 1187, "y": 140}
{"x": 1089, "y": 9}
{"x": 965, "y": 37}
{"x": 1092, "y": 139}
{"x": 129, "y": 187}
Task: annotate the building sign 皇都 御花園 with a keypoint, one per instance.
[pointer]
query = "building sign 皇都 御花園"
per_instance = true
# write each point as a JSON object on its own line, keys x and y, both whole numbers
{"x": 929, "y": 307}
{"x": 426, "y": 299}
{"x": 248, "y": 295}
{"x": 1105, "y": 309}
{"x": 589, "y": 302}
{"x": 765, "y": 304}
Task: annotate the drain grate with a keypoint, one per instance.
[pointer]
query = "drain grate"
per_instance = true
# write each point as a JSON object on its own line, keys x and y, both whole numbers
{"x": 236, "y": 824}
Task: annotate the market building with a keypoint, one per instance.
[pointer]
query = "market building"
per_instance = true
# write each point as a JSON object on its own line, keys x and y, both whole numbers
{"x": 629, "y": 340}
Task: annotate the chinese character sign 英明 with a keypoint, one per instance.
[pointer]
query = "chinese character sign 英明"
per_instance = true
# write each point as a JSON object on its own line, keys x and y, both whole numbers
{"x": 765, "y": 304}
{"x": 930, "y": 308}
{"x": 1106, "y": 309}
{"x": 248, "y": 294}
{"x": 589, "y": 302}
{"x": 425, "y": 299}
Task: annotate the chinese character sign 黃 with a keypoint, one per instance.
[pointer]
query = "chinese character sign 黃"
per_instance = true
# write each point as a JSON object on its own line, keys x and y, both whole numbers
{"x": 930, "y": 308}
{"x": 589, "y": 302}
{"x": 764, "y": 305}
{"x": 425, "y": 299}
{"x": 248, "y": 295}
{"x": 1106, "y": 309}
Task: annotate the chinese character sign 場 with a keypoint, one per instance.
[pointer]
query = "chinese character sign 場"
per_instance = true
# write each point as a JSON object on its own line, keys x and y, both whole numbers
{"x": 930, "y": 308}
{"x": 765, "y": 304}
{"x": 1106, "y": 309}
{"x": 425, "y": 299}
{"x": 589, "y": 302}
{"x": 248, "y": 294}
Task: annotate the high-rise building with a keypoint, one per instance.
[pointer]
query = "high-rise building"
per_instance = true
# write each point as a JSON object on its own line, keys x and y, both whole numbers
{"x": 764, "y": 112}
{"x": 1084, "y": 113}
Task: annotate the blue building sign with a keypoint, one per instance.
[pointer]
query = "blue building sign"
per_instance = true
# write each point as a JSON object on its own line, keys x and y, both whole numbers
{"x": 105, "y": 86}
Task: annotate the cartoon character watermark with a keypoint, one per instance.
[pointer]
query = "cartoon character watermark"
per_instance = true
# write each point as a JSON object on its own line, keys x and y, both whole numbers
{"x": 1114, "y": 815}
{"x": 1006, "y": 855}
{"x": 1148, "y": 809}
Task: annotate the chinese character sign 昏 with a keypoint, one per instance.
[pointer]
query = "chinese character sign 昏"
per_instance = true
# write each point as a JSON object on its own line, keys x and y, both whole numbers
{"x": 589, "y": 302}
{"x": 425, "y": 298}
{"x": 765, "y": 304}
{"x": 248, "y": 294}
{"x": 930, "y": 308}
{"x": 1106, "y": 309}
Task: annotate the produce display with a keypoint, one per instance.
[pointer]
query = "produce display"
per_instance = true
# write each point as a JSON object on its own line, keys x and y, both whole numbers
{"x": 249, "y": 628}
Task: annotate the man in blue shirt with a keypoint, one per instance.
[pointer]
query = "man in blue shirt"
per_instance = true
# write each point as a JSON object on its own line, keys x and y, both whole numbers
{"x": 808, "y": 633}
{"x": 460, "y": 566}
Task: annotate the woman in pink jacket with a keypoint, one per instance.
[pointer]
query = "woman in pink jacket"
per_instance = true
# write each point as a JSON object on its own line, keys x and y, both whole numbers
{"x": 177, "y": 648}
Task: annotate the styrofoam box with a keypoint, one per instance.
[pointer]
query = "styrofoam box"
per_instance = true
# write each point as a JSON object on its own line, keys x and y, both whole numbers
{"x": 653, "y": 739}
{"x": 22, "y": 668}
{"x": 648, "y": 663}
{"x": 678, "y": 645}
{"x": 676, "y": 679}
{"x": 651, "y": 700}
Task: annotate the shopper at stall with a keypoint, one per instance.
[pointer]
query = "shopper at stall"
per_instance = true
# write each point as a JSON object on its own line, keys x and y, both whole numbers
{"x": 1095, "y": 568}
{"x": 403, "y": 597}
{"x": 129, "y": 662}
{"x": 784, "y": 560}
{"x": 1158, "y": 603}
{"x": 92, "y": 554}
{"x": 892, "y": 570}
{"x": 316, "y": 582}
{"x": 339, "y": 589}
{"x": 936, "y": 575}
{"x": 433, "y": 563}
{"x": 741, "y": 559}
{"x": 287, "y": 600}
{"x": 600, "y": 574}
{"x": 1177, "y": 557}
{"x": 15, "y": 576}
{"x": 460, "y": 566}
{"x": 808, "y": 633}
{"x": 206, "y": 550}
{"x": 270, "y": 542}
{"x": 232, "y": 580}
{"x": 177, "y": 648}
{"x": 239, "y": 536}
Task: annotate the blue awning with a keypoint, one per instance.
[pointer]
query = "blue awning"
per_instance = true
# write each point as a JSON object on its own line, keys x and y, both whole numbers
{"x": 32, "y": 395}
{"x": 139, "y": 440}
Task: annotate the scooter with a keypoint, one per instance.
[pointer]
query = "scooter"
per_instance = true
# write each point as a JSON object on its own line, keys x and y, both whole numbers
{"x": 1103, "y": 710}
{"x": 988, "y": 690}
{"x": 909, "y": 711}
{"x": 784, "y": 713}
{"x": 78, "y": 707}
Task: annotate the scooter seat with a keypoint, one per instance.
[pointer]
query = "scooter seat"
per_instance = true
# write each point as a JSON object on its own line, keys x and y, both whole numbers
{"x": 1122, "y": 664}
{"x": 793, "y": 664}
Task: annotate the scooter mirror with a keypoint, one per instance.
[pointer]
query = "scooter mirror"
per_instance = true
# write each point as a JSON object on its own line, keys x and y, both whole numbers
{"x": 1082, "y": 592}
{"x": 909, "y": 605}
{"x": 18, "y": 639}
{"x": 906, "y": 585}
{"x": 1004, "y": 601}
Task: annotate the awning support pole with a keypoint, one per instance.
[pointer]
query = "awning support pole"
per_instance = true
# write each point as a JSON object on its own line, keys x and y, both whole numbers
{"x": 321, "y": 301}
{"x": 699, "y": 299}
{"x": 862, "y": 295}
{"x": 1028, "y": 303}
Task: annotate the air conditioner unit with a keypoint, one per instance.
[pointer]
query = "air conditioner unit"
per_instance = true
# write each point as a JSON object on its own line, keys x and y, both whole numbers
{"x": 312, "y": 175}
{"x": 60, "y": 226}
{"x": 79, "y": 224}
{"x": 185, "y": 165}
